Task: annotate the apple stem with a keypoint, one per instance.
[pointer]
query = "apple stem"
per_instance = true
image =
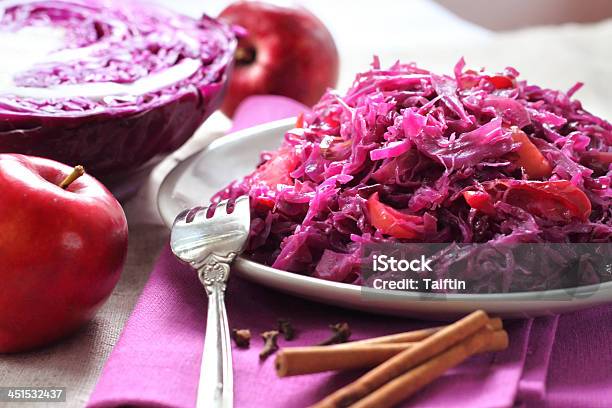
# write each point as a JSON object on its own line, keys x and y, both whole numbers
{"x": 244, "y": 55}
{"x": 77, "y": 172}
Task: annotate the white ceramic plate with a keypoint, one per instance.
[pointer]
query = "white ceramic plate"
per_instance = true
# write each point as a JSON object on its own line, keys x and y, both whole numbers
{"x": 193, "y": 181}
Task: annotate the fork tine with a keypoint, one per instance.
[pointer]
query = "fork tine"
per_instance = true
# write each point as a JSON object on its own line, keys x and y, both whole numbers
{"x": 221, "y": 209}
{"x": 242, "y": 208}
{"x": 191, "y": 214}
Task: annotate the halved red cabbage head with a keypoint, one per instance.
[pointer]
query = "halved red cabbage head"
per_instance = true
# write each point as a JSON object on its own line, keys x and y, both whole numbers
{"x": 106, "y": 84}
{"x": 411, "y": 156}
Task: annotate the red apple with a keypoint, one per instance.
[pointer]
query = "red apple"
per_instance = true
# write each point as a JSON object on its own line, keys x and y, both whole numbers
{"x": 285, "y": 51}
{"x": 61, "y": 250}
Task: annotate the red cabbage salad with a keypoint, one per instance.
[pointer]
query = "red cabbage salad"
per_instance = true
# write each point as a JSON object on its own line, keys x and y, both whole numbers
{"x": 411, "y": 156}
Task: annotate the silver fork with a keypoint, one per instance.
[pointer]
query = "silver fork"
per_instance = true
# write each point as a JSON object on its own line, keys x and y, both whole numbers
{"x": 209, "y": 245}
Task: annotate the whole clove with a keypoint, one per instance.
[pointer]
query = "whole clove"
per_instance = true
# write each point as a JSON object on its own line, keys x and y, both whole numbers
{"x": 341, "y": 334}
{"x": 270, "y": 345}
{"x": 286, "y": 329}
{"x": 242, "y": 337}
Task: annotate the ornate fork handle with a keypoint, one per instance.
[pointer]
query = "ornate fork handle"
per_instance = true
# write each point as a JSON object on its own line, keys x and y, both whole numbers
{"x": 216, "y": 383}
{"x": 214, "y": 269}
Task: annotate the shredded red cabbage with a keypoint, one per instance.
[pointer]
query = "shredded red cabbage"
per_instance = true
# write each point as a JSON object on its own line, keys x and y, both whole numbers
{"x": 411, "y": 156}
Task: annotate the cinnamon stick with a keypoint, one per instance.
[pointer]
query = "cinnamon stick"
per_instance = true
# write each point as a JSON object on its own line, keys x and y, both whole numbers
{"x": 358, "y": 354}
{"x": 316, "y": 359}
{"x": 407, "y": 337}
{"x": 400, "y": 363}
{"x": 414, "y": 336}
{"x": 412, "y": 381}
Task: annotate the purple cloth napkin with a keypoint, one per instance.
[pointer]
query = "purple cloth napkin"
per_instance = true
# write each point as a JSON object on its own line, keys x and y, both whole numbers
{"x": 532, "y": 386}
{"x": 265, "y": 108}
{"x": 580, "y": 369}
{"x": 156, "y": 361}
